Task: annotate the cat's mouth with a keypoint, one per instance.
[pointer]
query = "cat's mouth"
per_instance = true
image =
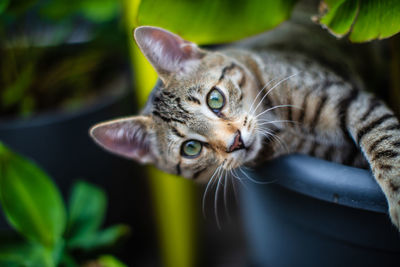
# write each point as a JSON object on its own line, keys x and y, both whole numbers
{"x": 246, "y": 150}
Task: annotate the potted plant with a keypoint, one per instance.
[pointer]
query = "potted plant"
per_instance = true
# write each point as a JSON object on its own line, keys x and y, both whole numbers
{"x": 52, "y": 235}
{"x": 64, "y": 66}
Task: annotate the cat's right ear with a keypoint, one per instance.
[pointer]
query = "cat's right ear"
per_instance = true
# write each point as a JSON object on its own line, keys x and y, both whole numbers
{"x": 167, "y": 52}
{"x": 129, "y": 137}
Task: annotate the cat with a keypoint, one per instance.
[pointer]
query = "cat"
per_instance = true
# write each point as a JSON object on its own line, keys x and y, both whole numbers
{"x": 234, "y": 106}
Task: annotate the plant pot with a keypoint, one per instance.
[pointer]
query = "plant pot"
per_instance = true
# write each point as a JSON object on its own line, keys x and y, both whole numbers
{"x": 317, "y": 213}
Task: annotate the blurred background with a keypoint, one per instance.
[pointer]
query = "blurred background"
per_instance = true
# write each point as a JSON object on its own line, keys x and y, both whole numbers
{"x": 68, "y": 64}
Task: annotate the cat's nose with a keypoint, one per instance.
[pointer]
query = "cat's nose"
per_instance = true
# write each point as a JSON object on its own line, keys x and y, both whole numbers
{"x": 237, "y": 143}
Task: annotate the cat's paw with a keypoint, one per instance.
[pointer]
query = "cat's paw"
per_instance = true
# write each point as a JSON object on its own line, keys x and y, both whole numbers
{"x": 394, "y": 211}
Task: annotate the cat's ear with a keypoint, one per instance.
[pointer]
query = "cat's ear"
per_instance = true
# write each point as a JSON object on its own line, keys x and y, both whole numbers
{"x": 167, "y": 52}
{"x": 129, "y": 137}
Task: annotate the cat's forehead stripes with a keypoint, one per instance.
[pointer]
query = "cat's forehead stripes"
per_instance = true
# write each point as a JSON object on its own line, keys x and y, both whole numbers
{"x": 225, "y": 70}
{"x": 233, "y": 72}
{"x": 168, "y": 107}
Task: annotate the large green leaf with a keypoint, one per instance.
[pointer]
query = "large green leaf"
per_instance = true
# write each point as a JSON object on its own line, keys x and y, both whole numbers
{"x": 363, "y": 20}
{"x": 211, "y": 21}
{"x": 87, "y": 207}
{"x": 31, "y": 202}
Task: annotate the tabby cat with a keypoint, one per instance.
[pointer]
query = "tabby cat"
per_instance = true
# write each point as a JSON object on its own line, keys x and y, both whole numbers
{"x": 232, "y": 107}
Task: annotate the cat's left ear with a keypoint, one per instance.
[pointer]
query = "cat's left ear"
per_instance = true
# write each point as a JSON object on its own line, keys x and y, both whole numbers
{"x": 131, "y": 138}
{"x": 167, "y": 52}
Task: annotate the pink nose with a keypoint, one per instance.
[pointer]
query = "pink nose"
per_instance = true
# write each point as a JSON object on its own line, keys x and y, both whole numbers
{"x": 237, "y": 143}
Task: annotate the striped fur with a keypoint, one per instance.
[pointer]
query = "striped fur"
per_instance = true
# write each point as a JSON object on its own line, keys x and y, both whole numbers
{"x": 336, "y": 121}
{"x": 280, "y": 102}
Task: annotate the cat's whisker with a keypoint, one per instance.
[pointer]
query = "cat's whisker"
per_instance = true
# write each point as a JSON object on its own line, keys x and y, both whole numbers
{"x": 235, "y": 192}
{"x": 236, "y": 175}
{"x": 276, "y": 107}
{"x": 269, "y": 135}
{"x": 247, "y": 168}
{"x": 226, "y": 180}
{"x": 254, "y": 180}
{"x": 262, "y": 89}
{"x": 216, "y": 200}
{"x": 210, "y": 181}
{"x": 272, "y": 88}
{"x": 264, "y": 122}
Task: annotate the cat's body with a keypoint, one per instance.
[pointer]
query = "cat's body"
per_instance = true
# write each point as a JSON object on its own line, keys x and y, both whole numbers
{"x": 222, "y": 110}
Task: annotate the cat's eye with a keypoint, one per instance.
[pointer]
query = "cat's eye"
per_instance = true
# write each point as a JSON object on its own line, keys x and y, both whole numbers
{"x": 191, "y": 148}
{"x": 215, "y": 100}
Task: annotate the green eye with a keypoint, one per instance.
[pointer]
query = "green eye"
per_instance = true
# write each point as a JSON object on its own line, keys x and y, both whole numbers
{"x": 191, "y": 148}
{"x": 215, "y": 100}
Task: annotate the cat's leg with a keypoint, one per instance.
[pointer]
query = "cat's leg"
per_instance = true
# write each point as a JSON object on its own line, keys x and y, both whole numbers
{"x": 376, "y": 130}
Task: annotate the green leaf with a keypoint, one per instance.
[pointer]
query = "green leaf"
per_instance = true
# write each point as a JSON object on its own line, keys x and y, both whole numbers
{"x": 104, "y": 238}
{"x": 18, "y": 253}
{"x": 377, "y": 19}
{"x": 363, "y": 20}
{"x": 340, "y": 18}
{"x": 99, "y": 11}
{"x": 87, "y": 207}
{"x": 332, "y": 3}
{"x": 211, "y": 21}
{"x": 14, "y": 251}
{"x": 110, "y": 261}
{"x": 31, "y": 202}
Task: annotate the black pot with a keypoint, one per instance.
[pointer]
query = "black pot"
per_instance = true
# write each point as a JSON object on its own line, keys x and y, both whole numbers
{"x": 59, "y": 143}
{"x": 317, "y": 213}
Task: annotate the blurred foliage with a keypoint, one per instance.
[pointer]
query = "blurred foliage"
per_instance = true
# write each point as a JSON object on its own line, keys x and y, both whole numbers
{"x": 110, "y": 261}
{"x": 39, "y": 78}
{"x": 57, "y": 54}
{"x": 362, "y": 20}
{"x": 34, "y": 208}
{"x": 93, "y": 10}
{"x": 210, "y": 22}
{"x": 31, "y": 31}
{"x": 30, "y": 201}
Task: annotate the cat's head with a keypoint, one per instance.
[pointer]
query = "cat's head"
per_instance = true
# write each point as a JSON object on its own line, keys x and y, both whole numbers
{"x": 198, "y": 116}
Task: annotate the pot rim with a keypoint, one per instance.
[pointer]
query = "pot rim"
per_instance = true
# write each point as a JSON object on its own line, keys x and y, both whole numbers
{"x": 324, "y": 180}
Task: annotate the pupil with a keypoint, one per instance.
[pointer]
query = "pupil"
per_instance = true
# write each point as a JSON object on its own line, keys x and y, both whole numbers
{"x": 192, "y": 148}
{"x": 216, "y": 99}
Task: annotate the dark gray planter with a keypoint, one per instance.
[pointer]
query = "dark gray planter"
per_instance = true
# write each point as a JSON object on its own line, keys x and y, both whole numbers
{"x": 317, "y": 213}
